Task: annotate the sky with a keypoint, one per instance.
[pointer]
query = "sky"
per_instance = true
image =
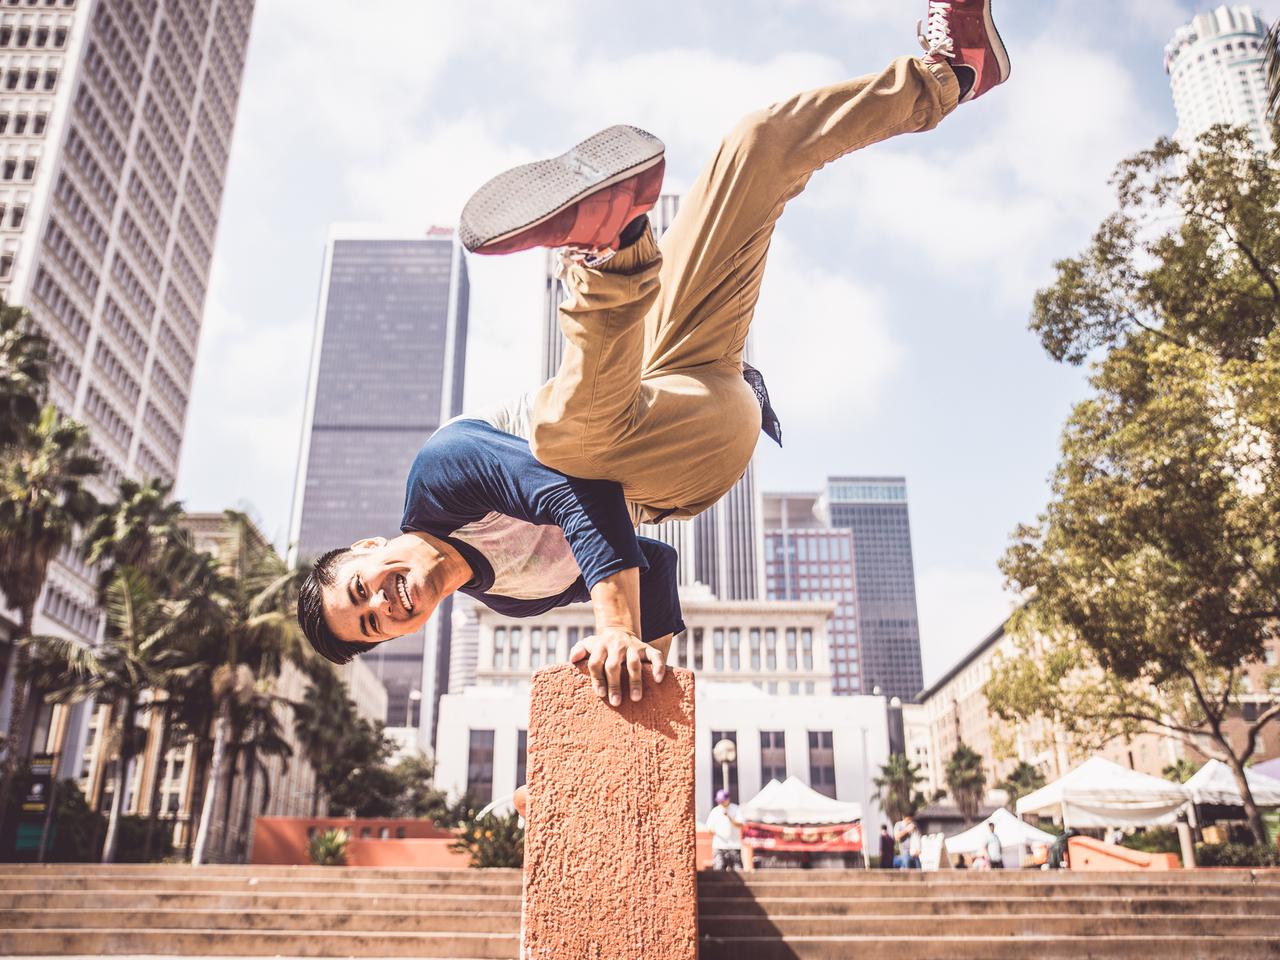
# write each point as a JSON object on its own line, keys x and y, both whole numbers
{"x": 892, "y": 327}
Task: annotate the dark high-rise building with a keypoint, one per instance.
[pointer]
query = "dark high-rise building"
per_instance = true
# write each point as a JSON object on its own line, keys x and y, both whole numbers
{"x": 386, "y": 371}
{"x": 807, "y": 559}
{"x": 875, "y": 510}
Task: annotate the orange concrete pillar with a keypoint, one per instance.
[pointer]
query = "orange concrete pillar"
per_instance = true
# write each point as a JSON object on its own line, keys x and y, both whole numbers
{"x": 609, "y": 848}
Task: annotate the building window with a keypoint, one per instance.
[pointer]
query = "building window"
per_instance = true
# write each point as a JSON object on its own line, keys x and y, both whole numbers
{"x": 41, "y": 121}
{"x": 513, "y": 652}
{"x": 771, "y": 649}
{"x": 535, "y": 648}
{"x": 522, "y": 755}
{"x": 806, "y": 644}
{"x": 6, "y": 266}
{"x": 822, "y": 763}
{"x": 755, "y": 648}
{"x": 499, "y": 646}
{"x": 735, "y": 649}
{"x": 717, "y": 771}
{"x": 480, "y": 767}
{"x": 553, "y": 644}
{"x": 717, "y": 643}
{"x": 697, "y": 648}
{"x": 773, "y": 755}
{"x": 792, "y": 662}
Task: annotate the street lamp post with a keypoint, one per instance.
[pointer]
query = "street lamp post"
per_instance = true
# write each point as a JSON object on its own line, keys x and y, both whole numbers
{"x": 415, "y": 696}
{"x": 724, "y": 752}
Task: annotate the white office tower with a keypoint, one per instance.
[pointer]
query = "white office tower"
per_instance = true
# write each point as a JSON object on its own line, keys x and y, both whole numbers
{"x": 1215, "y": 67}
{"x": 115, "y": 125}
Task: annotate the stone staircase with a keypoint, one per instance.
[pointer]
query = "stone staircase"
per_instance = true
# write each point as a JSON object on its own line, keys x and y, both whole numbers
{"x": 230, "y": 911}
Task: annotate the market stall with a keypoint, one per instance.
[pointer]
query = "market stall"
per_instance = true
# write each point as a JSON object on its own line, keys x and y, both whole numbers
{"x": 1017, "y": 839}
{"x": 1099, "y": 793}
{"x": 792, "y": 818}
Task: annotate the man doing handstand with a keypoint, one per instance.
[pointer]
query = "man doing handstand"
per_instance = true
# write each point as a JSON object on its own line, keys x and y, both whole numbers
{"x": 649, "y": 416}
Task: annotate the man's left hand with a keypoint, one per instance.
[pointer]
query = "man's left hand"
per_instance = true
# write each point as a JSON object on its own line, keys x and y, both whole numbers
{"x": 607, "y": 652}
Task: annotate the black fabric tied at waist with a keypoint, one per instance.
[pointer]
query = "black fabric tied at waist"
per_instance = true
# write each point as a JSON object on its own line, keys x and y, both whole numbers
{"x": 768, "y": 419}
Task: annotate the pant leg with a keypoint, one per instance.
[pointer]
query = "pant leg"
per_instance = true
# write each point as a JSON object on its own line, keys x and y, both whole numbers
{"x": 578, "y": 417}
{"x": 714, "y": 253}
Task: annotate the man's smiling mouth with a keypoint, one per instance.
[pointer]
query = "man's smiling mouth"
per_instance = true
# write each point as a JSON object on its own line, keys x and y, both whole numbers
{"x": 402, "y": 588}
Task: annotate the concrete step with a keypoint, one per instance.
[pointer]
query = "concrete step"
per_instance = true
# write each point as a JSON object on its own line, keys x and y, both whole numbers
{"x": 365, "y": 921}
{"x": 710, "y": 908}
{"x": 1031, "y": 925}
{"x": 337, "y": 885}
{"x": 256, "y": 943}
{"x": 1202, "y": 875}
{"x": 161, "y": 900}
{"x": 928, "y": 947}
{"x": 8, "y": 870}
{"x": 821, "y": 890}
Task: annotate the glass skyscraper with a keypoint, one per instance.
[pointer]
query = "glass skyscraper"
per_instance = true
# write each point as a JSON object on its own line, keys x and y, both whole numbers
{"x": 806, "y": 559}
{"x": 874, "y": 509}
{"x": 386, "y": 371}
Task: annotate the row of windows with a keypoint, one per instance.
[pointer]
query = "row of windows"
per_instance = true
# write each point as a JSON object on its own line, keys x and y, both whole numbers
{"x": 79, "y": 151}
{"x": 163, "y": 132}
{"x": 176, "y": 59}
{"x": 169, "y": 389}
{"x": 169, "y": 97}
{"x": 121, "y": 324}
{"x": 16, "y": 168}
{"x": 17, "y": 215}
{"x": 135, "y": 26}
{"x": 170, "y": 438}
{"x": 17, "y": 125}
{"x": 29, "y": 80}
{"x": 117, "y": 372}
{"x": 217, "y": 144}
{"x": 26, "y": 36}
{"x": 61, "y": 305}
{"x": 146, "y": 205}
{"x": 175, "y": 350}
{"x": 196, "y": 201}
{"x": 70, "y": 612}
{"x": 118, "y": 101}
{"x": 209, "y": 177}
{"x": 178, "y": 309}
{"x": 101, "y": 409}
{"x": 160, "y": 178}
{"x": 122, "y": 57}
{"x": 151, "y": 466}
{"x": 127, "y": 282}
{"x": 100, "y": 127}
{"x": 191, "y": 235}
{"x": 35, "y": 3}
{"x": 140, "y": 248}
{"x": 81, "y": 214}
{"x": 62, "y": 247}
{"x": 187, "y": 273}
{"x": 65, "y": 370}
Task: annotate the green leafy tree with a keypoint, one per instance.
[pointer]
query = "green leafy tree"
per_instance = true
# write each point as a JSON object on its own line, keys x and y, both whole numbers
{"x": 43, "y": 502}
{"x": 1156, "y": 566}
{"x": 24, "y": 373}
{"x": 966, "y": 781}
{"x": 139, "y": 648}
{"x": 1022, "y": 780}
{"x": 898, "y": 784}
{"x": 1181, "y": 770}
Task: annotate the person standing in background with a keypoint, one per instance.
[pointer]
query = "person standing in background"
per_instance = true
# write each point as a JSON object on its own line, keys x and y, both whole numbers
{"x": 726, "y": 834}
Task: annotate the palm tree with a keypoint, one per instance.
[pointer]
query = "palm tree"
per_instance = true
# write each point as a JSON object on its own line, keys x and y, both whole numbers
{"x": 140, "y": 652}
{"x": 24, "y": 372}
{"x": 966, "y": 781}
{"x": 1271, "y": 63}
{"x": 1181, "y": 770}
{"x": 141, "y": 529}
{"x": 42, "y": 504}
{"x": 897, "y": 783}
{"x": 318, "y": 720}
{"x": 1022, "y": 780}
{"x": 256, "y": 634}
{"x": 263, "y": 737}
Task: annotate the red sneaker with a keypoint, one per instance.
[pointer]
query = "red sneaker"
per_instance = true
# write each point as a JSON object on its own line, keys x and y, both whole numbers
{"x": 962, "y": 33}
{"x": 580, "y": 199}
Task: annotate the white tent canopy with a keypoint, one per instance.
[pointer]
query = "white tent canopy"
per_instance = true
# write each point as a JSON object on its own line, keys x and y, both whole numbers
{"x": 1099, "y": 793}
{"x": 1013, "y": 834}
{"x": 1215, "y": 783}
{"x": 795, "y": 802}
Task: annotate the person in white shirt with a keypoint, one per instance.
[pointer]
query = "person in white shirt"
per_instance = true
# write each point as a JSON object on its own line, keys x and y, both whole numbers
{"x": 995, "y": 851}
{"x": 726, "y": 834}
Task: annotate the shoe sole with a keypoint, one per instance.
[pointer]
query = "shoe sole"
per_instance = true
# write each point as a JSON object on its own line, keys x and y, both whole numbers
{"x": 1002, "y": 55}
{"x": 525, "y": 196}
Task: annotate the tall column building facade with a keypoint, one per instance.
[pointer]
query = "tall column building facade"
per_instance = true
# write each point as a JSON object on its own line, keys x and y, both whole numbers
{"x": 1216, "y": 72}
{"x": 386, "y": 371}
{"x": 874, "y": 510}
{"x": 807, "y": 559}
{"x": 116, "y": 121}
{"x": 721, "y": 548}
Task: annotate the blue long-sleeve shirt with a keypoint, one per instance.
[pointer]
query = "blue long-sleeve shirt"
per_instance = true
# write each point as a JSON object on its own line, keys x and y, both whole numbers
{"x": 535, "y": 538}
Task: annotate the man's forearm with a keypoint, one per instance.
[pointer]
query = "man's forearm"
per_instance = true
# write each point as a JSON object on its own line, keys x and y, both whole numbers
{"x": 616, "y": 602}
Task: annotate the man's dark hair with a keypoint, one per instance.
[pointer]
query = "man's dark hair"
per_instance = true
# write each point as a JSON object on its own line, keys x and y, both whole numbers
{"x": 311, "y": 612}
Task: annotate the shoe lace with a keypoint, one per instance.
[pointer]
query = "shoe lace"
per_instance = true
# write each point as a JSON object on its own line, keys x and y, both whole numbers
{"x": 936, "y": 38}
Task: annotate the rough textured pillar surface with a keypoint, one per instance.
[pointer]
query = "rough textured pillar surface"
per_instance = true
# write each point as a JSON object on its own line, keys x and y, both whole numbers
{"x": 609, "y": 850}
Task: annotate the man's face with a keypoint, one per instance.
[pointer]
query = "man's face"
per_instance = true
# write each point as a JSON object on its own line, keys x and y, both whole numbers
{"x": 381, "y": 590}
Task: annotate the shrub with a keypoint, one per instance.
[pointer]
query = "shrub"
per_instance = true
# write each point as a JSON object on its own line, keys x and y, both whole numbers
{"x": 1236, "y": 855}
{"x": 1160, "y": 840}
{"x": 492, "y": 841}
{"x": 329, "y": 849}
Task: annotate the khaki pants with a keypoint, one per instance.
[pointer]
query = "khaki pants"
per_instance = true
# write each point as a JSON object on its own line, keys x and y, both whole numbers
{"x": 650, "y": 391}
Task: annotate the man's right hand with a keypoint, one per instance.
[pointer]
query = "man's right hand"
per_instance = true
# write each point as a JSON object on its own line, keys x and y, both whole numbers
{"x": 607, "y": 652}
